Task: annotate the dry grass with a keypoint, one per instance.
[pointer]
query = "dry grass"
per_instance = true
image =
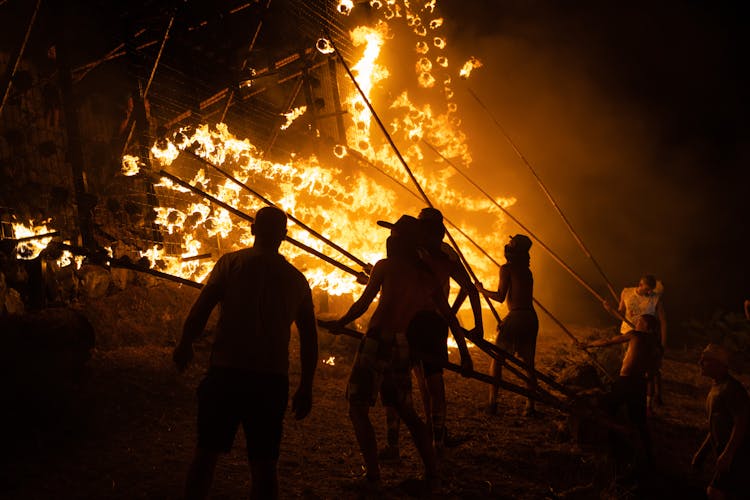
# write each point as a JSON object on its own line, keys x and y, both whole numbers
{"x": 128, "y": 432}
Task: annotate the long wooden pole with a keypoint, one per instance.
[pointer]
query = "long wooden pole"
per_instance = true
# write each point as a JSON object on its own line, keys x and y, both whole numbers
{"x": 503, "y": 353}
{"x": 268, "y": 202}
{"x": 406, "y": 167}
{"x": 10, "y": 73}
{"x": 144, "y": 94}
{"x": 552, "y": 254}
{"x": 593, "y": 358}
{"x": 547, "y": 193}
{"x": 361, "y": 276}
{"x": 537, "y": 395}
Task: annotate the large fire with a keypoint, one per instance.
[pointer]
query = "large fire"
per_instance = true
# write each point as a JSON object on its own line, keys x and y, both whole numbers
{"x": 340, "y": 200}
{"x": 34, "y": 238}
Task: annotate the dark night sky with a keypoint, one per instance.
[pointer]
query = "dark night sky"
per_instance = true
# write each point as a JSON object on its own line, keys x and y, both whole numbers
{"x": 635, "y": 117}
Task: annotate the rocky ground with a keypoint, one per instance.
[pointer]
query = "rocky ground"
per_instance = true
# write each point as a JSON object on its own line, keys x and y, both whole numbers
{"x": 127, "y": 429}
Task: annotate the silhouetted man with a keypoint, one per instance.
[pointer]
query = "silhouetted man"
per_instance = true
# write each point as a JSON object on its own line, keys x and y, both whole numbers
{"x": 518, "y": 331}
{"x": 728, "y": 408}
{"x": 261, "y": 295}
{"x": 406, "y": 285}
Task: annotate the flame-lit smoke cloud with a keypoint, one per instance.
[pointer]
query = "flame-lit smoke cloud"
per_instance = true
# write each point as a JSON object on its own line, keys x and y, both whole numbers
{"x": 628, "y": 129}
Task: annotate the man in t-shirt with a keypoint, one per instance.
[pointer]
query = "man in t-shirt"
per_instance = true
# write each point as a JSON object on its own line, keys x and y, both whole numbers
{"x": 728, "y": 408}
{"x": 261, "y": 295}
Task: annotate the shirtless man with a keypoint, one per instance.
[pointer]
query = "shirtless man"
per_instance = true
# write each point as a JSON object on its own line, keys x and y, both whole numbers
{"x": 728, "y": 408}
{"x": 640, "y": 361}
{"x": 518, "y": 331}
{"x": 406, "y": 286}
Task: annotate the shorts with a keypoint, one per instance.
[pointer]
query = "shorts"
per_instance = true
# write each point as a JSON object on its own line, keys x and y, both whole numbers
{"x": 381, "y": 367}
{"x": 517, "y": 334}
{"x": 228, "y": 397}
{"x": 629, "y": 392}
{"x": 428, "y": 335}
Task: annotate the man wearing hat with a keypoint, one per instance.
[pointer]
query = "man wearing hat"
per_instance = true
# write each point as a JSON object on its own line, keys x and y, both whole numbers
{"x": 405, "y": 286}
{"x": 518, "y": 331}
{"x": 428, "y": 331}
{"x": 728, "y": 408}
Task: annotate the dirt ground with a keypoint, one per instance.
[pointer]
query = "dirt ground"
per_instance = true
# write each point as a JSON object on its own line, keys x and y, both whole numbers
{"x": 128, "y": 430}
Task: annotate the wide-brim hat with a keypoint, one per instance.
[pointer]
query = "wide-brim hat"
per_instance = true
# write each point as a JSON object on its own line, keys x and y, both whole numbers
{"x": 404, "y": 226}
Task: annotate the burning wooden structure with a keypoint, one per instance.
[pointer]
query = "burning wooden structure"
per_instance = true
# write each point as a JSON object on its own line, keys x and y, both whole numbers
{"x": 220, "y": 109}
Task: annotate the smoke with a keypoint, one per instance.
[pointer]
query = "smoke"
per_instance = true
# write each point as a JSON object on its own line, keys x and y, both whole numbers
{"x": 631, "y": 124}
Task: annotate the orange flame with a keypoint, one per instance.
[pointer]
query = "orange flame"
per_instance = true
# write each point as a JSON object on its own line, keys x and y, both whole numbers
{"x": 292, "y": 115}
{"x": 340, "y": 203}
{"x": 471, "y": 64}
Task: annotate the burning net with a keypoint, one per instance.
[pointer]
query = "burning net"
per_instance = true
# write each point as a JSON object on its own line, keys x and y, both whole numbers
{"x": 344, "y": 195}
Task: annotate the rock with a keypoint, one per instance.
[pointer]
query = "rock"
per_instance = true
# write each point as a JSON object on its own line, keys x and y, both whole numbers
{"x": 45, "y": 358}
{"x": 582, "y": 376}
{"x": 13, "y": 302}
{"x": 121, "y": 277}
{"x": 95, "y": 280}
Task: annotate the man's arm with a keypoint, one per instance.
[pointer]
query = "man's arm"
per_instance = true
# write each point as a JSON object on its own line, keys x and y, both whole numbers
{"x": 308, "y": 356}
{"x": 620, "y": 339}
{"x": 368, "y": 295}
{"x": 662, "y": 315}
{"x": 621, "y": 307}
{"x": 502, "y": 286}
{"x": 441, "y": 302}
{"x": 747, "y": 309}
{"x": 462, "y": 278}
{"x": 701, "y": 453}
{"x": 195, "y": 323}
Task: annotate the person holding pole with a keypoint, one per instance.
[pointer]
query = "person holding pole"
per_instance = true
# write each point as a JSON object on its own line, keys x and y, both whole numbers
{"x": 428, "y": 333}
{"x": 629, "y": 390}
{"x": 247, "y": 382}
{"x": 382, "y": 365}
{"x": 646, "y": 298}
{"x": 518, "y": 332}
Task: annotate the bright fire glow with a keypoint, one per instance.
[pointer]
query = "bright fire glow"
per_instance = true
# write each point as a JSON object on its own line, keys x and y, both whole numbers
{"x": 345, "y": 6}
{"x": 30, "y": 249}
{"x": 324, "y": 46}
{"x": 330, "y": 361}
{"x": 292, "y": 115}
{"x": 343, "y": 196}
{"x": 130, "y": 165}
{"x": 471, "y": 64}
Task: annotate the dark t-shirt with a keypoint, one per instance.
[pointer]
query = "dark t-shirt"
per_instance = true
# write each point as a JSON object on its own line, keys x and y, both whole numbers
{"x": 260, "y": 296}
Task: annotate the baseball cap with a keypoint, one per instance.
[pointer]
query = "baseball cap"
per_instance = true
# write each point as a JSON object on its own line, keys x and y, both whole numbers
{"x": 520, "y": 242}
